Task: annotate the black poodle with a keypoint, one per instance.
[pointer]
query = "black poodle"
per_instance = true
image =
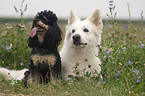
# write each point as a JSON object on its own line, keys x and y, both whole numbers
{"x": 45, "y": 61}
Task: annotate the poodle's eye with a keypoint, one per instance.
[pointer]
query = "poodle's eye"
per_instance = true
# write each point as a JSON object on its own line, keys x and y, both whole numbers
{"x": 86, "y": 30}
{"x": 73, "y": 31}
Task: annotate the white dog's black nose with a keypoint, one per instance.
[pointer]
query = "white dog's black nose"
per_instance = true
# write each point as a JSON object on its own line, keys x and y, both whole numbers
{"x": 76, "y": 39}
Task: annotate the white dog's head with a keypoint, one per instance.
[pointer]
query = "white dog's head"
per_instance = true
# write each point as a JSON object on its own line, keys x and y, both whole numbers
{"x": 86, "y": 32}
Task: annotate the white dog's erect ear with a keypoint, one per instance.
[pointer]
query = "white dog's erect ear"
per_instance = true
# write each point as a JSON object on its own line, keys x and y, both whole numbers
{"x": 72, "y": 18}
{"x": 96, "y": 17}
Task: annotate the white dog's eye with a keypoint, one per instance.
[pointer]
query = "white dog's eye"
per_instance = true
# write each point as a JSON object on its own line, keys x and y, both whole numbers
{"x": 86, "y": 30}
{"x": 73, "y": 31}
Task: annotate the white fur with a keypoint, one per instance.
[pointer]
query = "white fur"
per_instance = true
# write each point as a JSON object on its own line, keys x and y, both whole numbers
{"x": 84, "y": 54}
{"x": 13, "y": 75}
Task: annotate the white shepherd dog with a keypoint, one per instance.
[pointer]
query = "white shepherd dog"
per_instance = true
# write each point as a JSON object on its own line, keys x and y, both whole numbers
{"x": 80, "y": 44}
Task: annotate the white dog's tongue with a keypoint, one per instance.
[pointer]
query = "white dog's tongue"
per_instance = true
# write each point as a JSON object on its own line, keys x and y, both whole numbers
{"x": 33, "y": 32}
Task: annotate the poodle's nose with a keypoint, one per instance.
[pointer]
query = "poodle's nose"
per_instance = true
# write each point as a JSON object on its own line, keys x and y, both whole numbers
{"x": 76, "y": 39}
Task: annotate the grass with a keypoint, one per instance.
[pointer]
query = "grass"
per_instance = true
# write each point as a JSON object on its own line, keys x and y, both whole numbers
{"x": 122, "y": 63}
{"x": 63, "y": 89}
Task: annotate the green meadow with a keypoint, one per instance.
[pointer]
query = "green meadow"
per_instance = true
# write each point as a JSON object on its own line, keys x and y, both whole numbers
{"x": 122, "y": 53}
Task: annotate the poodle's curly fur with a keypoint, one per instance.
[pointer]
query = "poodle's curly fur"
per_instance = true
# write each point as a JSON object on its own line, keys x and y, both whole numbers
{"x": 45, "y": 61}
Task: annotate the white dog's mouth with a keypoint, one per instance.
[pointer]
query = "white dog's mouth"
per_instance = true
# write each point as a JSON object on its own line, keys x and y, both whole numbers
{"x": 79, "y": 44}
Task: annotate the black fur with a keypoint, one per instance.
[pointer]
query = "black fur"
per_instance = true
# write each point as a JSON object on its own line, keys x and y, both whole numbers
{"x": 48, "y": 47}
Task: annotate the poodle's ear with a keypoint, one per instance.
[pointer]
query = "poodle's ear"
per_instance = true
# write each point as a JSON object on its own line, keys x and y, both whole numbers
{"x": 72, "y": 18}
{"x": 96, "y": 18}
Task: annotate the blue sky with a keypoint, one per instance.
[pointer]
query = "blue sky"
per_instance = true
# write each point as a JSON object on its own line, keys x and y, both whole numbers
{"x": 82, "y": 8}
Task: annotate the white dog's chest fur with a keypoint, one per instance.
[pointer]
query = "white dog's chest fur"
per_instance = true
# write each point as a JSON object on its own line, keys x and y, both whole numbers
{"x": 84, "y": 58}
{"x": 83, "y": 64}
